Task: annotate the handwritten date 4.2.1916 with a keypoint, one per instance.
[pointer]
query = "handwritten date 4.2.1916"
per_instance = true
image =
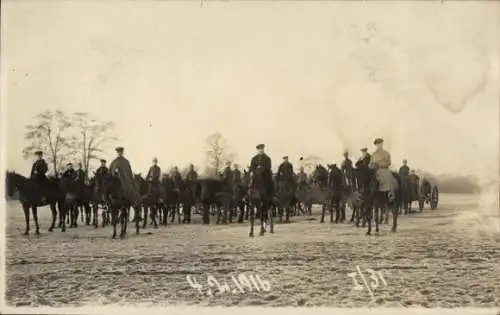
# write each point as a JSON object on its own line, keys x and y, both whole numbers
{"x": 234, "y": 285}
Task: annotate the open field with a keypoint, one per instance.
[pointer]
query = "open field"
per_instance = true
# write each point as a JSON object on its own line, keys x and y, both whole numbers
{"x": 434, "y": 260}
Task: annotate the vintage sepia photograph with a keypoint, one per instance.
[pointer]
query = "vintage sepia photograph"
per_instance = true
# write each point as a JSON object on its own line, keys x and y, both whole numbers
{"x": 250, "y": 153}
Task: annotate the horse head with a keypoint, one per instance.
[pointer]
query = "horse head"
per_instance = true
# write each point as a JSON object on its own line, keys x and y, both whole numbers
{"x": 13, "y": 182}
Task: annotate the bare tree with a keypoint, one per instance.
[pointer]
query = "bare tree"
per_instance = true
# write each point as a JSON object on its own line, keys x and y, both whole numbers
{"x": 217, "y": 152}
{"x": 49, "y": 134}
{"x": 91, "y": 135}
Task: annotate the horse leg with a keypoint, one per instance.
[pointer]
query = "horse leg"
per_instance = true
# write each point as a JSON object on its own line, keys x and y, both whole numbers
{"x": 262, "y": 219}
{"x": 62, "y": 214}
{"x": 241, "y": 207}
{"x": 343, "y": 211}
{"x": 154, "y": 211}
{"x": 271, "y": 224}
{"x": 137, "y": 214}
{"x": 143, "y": 207}
{"x": 280, "y": 212}
{"x": 206, "y": 213}
{"x": 378, "y": 210}
{"x": 252, "y": 220}
{"x": 230, "y": 205}
{"x": 88, "y": 213}
{"x": 35, "y": 217}
{"x": 227, "y": 212}
{"x": 105, "y": 217}
{"x": 370, "y": 209}
{"x": 54, "y": 216}
{"x": 323, "y": 209}
{"x": 179, "y": 212}
{"x": 287, "y": 213}
{"x": 114, "y": 219}
{"x": 95, "y": 214}
{"x": 332, "y": 207}
{"x": 394, "y": 220}
{"x": 124, "y": 221}
{"x": 26, "y": 209}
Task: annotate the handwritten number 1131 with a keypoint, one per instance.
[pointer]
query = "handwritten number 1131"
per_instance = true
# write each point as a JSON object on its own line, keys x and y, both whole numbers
{"x": 375, "y": 276}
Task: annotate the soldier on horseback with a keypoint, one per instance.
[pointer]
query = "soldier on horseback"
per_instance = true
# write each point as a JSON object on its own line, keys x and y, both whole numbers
{"x": 227, "y": 175}
{"x": 261, "y": 162}
{"x": 301, "y": 177}
{"x": 404, "y": 171}
{"x": 102, "y": 171}
{"x": 153, "y": 178}
{"x": 365, "y": 157}
{"x": 381, "y": 160}
{"x": 80, "y": 175}
{"x": 121, "y": 167}
{"x": 236, "y": 175}
{"x": 69, "y": 173}
{"x": 285, "y": 174}
{"x": 192, "y": 175}
{"x": 176, "y": 177}
{"x": 100, "y": 176}
{"x": 38, "y": 175}
{"x": 347, "y": 168}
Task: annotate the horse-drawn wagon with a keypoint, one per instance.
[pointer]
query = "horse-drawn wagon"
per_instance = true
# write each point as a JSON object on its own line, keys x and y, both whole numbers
{"x": 428, "y": 194}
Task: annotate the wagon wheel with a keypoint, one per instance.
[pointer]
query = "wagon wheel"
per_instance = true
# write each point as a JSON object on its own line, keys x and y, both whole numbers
{"x": 434, "y": 198}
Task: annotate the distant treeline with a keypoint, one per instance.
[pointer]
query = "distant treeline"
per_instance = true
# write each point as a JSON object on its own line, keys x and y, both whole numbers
{"x": 452, "y": 184}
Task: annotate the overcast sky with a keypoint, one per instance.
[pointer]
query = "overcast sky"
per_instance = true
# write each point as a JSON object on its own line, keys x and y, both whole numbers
{"x": 301, "y": 77}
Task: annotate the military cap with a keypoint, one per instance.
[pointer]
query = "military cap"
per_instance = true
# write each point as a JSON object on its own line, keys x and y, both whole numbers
{"x": 378, "y": 140}
{"x": 103, "y": 161}
{"x": 260, "y": 146}
{"x": 38, "y": 152}
{"x": 364, "y": 150}
{"x": 285, "y": 157}
{"x": 119, "y": 149}
{"x": 155, "y": 159}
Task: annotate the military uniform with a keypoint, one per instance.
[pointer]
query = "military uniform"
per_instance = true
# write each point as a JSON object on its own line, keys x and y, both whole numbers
{"x": 237, "y": 177}
{"x": 177, "y": 178}
{"x": 153, "y": 179}
{"x": 101, "y": 172}
{"x": 100, "y": 175}
{"x": 227, "y": 175}
{"x": 346, "y": 169}
{"x": 382, "y": 159}
{"x": 404, "y": 171}
{"x": 285, "y": 172}
{"x": 69, "y": 174}
{"x": 80, "y": 176}
{"x": 39, "y": 177}
{"x": 122, "y": 166}
{"x": 39, "y": 169}
{"x": 262, "y": 162}
{"x": 301, "y": 177}
{"x": 154, "y": 174}
{"x": 191, "y": 175}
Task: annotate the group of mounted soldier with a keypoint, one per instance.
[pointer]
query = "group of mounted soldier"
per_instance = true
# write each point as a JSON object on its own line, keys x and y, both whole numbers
{"x": 257, "y": 185}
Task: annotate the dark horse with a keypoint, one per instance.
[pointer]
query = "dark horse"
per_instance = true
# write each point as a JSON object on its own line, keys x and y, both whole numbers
{"x": 30, "y": 197}
{"x": 151, "y": 200}
{"x": 284, "y": 198}
{"x": 374, "y": 200}
{"x": 261, "y": 196}
{"x": 118, "y": 203}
